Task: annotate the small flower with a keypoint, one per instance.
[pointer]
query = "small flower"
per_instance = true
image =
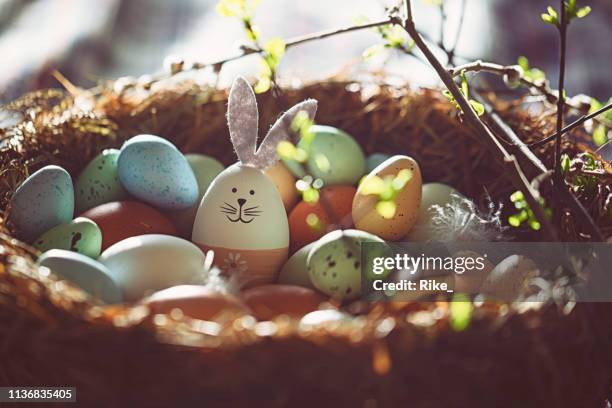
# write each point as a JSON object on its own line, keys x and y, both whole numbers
{"x": 234, "y": 265}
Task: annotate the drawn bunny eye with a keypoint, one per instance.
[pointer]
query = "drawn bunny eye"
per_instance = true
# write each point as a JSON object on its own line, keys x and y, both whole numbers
{"x": 252, "y": 192}
{"x": 234, "y": 190}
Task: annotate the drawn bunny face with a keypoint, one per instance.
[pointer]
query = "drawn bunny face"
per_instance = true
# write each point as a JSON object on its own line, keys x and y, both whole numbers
{"x": 242, "y": 208}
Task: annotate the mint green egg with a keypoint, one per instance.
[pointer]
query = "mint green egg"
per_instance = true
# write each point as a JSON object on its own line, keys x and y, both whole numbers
{"x": 333, "y": 156}
{"x": 335, "y": 262}
{"x": 99, "y": 182}
{"x": 81, "y": 235}
{"x": 205, "y": 169}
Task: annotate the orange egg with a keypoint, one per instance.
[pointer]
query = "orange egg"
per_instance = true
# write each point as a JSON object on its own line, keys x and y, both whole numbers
{"x": 196, "y": 301}
{"x": 270, "y": 301}
{"x": 310, "y": 221}
{"x": 124, "y": 219}
{"x": 285, "y": 184}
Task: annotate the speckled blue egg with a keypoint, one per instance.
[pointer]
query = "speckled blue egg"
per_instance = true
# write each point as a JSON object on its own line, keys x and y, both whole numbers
{"x": 155, "y": 171}
{"x": 42, "y": 201}
{"x": 373, "y": 160}
{"x": 91, "y": 276}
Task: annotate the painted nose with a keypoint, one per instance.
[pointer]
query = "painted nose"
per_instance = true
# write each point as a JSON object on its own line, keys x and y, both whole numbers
{"x": 241, "y": 201}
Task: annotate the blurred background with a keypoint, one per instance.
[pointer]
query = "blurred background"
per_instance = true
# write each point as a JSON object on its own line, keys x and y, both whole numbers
{"x": 92, "y": 40}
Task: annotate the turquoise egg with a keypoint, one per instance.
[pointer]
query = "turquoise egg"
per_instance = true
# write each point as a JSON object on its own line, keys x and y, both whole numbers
{"x": 81, "y": 235}
{"x": 374, "y": 160}
{"x": 333, "y": 156}
{"x": 153, "y": 170}
{"x": 205, "y": 169}
{"x": 91, "y": 276}
{"x": 335, "y": 262}
{"x": 99, "y": 182}
{"x": 295, "y": 270}
{"x": 42, "y": 201}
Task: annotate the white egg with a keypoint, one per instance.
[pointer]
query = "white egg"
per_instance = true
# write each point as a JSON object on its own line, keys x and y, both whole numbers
{"x": 510, "y": 278}
{"x": 144, "y": 264}
{"x": 432, "y": 194}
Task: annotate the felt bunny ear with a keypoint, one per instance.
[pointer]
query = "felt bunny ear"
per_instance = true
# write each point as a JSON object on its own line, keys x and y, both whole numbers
{"x": 266, "y": 155}
{"x": 243, "y": 120}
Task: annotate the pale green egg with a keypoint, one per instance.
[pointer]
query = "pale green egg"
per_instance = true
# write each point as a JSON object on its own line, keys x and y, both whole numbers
{"x": 205, "y": 168}
{"x": 81, "y": 235}
{"x": 99, "y": 182}
{"x": 295, "y": 270}
{"x": 91, "y": 276}
{"x": 338, "y": 261}
{"x": 332, "y": 156}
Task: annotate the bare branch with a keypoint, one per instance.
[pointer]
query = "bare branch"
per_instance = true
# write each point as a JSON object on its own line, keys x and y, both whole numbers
{"x": 577, "y": 123}
{"x": 516, "y": 175}
{"x": 561, "y": 101}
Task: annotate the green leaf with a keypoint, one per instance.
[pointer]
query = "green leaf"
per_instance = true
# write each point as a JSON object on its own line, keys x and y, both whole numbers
{"x": 478, "y": 107}
{"x": 275, "y": 49}
{"x": 461, "y": 312}
{"x": 514, "y": 221}
{"x": 523, "y": 62}
{"x": 517, "y": 196}
{"x": 565, "y": 163}
{"x": 600, "y": 136}
{"x": 583, "y": 12}
{"x": 372, "y": 51}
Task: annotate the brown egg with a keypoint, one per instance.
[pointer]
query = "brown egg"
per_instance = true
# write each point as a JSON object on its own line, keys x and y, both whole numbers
{"x": 365, "y": 213}
{"x": 196, "y": 301}
{"x": 270, "y": 301}
{"x": 285, "y": 184}
{"x": 331, "y": 212}
{"x": 123, "y": 219}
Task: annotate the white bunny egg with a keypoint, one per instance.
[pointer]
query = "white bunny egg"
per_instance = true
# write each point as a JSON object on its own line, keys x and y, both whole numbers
{"x": 242, "y": 217}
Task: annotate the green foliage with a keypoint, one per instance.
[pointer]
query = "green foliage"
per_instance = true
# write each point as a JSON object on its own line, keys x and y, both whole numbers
{"x": 393, "y": 36}
{"x": 532, "y": 74}
{"x": 272, "y": 51}
{"x": 461, "y": 309}
{"x": 600, "y": 133}
{"x": 571, "y": 10}
{"x": 525, "y": 214}
{"x": 477, "y": 106}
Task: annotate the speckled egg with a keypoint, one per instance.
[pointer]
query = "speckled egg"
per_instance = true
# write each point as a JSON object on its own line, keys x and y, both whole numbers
{"x": 374, "y": 160}
{"x": 432, "y": 194}
{"x": 153, "y": 170}
{"x": 295, "y": 270}
{"x": 99, "y": 182}
{"x": 334, "y": 263}
{"x": 84, "y": 272}
{"x": 333, "y": 156}
{"x": 365, "y": 213}
{"x": 147, "y": 263}
{"x": 205, "y": 169}
{"x": 42, "y": 201}
{"x": 81, "y": 235}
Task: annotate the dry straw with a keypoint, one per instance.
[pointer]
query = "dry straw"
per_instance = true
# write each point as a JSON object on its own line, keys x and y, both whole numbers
{"x": 393, "y": 355}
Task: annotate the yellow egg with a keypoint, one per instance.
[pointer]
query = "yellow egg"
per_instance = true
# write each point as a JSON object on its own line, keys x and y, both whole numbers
{"x": 285, "y": 184}
{"x": 368, "y": 218}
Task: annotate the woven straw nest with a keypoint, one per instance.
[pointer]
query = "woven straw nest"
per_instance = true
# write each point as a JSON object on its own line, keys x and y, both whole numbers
{"x": 389, "y": 355}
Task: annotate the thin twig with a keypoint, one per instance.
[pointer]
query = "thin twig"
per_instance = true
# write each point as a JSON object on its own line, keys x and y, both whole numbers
{"x": 577, "y": 123}
{"x": 561, "y": 99}
{"x": 292, "y": 42}
{"x": 515, "y": 173}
